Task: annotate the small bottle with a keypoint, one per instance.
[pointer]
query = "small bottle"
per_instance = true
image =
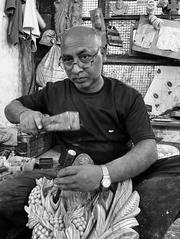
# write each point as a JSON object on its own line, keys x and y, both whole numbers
{"x": 70, "y": 157}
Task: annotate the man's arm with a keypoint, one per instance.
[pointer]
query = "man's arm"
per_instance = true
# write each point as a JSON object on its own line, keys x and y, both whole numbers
{"x": 13, "y": 111}
{"x": 30, "y": 121}
{"x": 136, "y": 161}
{"x": 88, "y": 177}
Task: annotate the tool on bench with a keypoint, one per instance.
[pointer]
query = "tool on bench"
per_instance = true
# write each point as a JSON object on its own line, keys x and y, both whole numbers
{"x": 67, "y": 121}
{"x": 45, "y": 163}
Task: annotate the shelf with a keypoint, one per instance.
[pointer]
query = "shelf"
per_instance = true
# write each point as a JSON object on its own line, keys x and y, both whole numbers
{"x": 115, "y": 59}
{"x": 174, "y": 123}
{"x": 132, "y": 17}
{"x": 136, "y": 17}
{"x": 126, "y": 55}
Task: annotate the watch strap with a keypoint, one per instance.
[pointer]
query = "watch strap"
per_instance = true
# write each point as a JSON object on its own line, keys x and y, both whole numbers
{"x": 105, "y": 171}
{"x": 106, "y": 179}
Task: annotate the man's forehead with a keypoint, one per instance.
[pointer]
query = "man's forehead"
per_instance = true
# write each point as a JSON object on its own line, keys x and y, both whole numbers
{"x": 80, "y": 37}
{"x": 79, "y": 43}
{"x": 81, "y": 31}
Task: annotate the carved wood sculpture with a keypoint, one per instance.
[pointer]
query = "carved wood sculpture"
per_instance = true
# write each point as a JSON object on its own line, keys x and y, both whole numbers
{"x": 170, "y": 7}
{"x": 68, "y": 13}
{"x": 75, "y": 12}
{"x": 81, "y": 215}
{"x": 113, "y": 36}
{"x": 119, "y": 8}
{"x": 98, "y": 23}
{"x": 61, "y": 17}
{"x": 173, "y": 7}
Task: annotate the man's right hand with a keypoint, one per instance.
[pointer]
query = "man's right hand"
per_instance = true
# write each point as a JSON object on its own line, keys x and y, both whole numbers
{"x": 31, "y": 122}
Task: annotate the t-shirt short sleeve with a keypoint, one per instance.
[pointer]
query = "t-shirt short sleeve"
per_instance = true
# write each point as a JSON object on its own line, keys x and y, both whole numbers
{"x": 37, "y": 101}
{"x": 137, "y": 121}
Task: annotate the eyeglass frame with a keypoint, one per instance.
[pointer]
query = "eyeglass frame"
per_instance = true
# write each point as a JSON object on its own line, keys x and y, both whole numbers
{"x": 79, "y": 62}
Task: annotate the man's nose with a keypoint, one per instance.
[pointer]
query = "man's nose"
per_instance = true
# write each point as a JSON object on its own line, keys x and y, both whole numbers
{"x": 76, "y": 68}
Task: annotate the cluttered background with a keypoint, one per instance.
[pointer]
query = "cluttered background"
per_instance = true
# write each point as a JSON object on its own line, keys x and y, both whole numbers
{"x": 141, "y": 38}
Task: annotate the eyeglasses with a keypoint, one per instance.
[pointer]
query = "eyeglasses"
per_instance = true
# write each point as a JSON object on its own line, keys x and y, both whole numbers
{"x": 84, "y": 60}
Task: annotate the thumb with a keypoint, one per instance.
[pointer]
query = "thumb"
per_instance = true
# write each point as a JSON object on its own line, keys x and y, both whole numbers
{"x": 38, "y": 121}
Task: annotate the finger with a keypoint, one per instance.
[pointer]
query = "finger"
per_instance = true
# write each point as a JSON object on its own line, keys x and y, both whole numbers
{"x": 31, "y": 128}
{"x": 65, "y": 180}
{"x": 38, "y": 122}
{"x": 22, "y": 128}
{"x": 45, "y": 122}
{"x": 26, "y": 129}
{"x": 69, "y": 187}
{"x": 68, "y": 171}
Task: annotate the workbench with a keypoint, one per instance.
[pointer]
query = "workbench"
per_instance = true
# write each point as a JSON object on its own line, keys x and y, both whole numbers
{"x": 167, "y": 131}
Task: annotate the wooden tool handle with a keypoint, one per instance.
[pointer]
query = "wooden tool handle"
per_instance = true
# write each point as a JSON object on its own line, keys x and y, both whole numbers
{"x": 67, "y": 121}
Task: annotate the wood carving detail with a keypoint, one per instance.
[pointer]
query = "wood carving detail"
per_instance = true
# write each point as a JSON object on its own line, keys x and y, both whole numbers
{"x": 81, "y": 215}
{"x": 67, "y": 14}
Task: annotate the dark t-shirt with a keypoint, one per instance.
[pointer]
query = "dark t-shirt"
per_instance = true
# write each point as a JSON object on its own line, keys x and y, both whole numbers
{"x": 111, "y": 119}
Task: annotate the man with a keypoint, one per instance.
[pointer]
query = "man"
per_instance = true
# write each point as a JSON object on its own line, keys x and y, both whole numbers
{"x": 115, "y": 130}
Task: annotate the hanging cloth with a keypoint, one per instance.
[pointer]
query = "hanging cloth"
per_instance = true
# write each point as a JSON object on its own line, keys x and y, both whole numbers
{"x": 30, "y": 22}
{"x": 13, "y": 9}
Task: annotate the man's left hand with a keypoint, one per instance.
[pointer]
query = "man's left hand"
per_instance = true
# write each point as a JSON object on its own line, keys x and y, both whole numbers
{"x": 84, "y": 178}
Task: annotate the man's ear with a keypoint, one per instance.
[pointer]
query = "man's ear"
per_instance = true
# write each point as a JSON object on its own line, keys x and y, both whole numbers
{"x": 104, "y": 51}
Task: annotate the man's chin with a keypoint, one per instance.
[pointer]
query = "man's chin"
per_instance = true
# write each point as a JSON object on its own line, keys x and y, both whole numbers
{"x": 82, "y": 86}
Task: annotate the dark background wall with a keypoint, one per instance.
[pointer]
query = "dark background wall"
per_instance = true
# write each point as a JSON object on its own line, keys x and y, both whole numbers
{"x": 47, "y": 10}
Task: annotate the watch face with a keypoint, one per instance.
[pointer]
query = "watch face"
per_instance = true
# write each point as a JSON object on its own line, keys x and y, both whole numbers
{"x": 106, "y": 182}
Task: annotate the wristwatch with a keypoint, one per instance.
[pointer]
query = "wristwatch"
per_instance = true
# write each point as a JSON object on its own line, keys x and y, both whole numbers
{"x": 106, "y": 179}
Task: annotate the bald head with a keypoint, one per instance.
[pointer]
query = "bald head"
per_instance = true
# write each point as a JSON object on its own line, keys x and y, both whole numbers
{"x": 82, "y": 58}
{"x": 81, "y": 34}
